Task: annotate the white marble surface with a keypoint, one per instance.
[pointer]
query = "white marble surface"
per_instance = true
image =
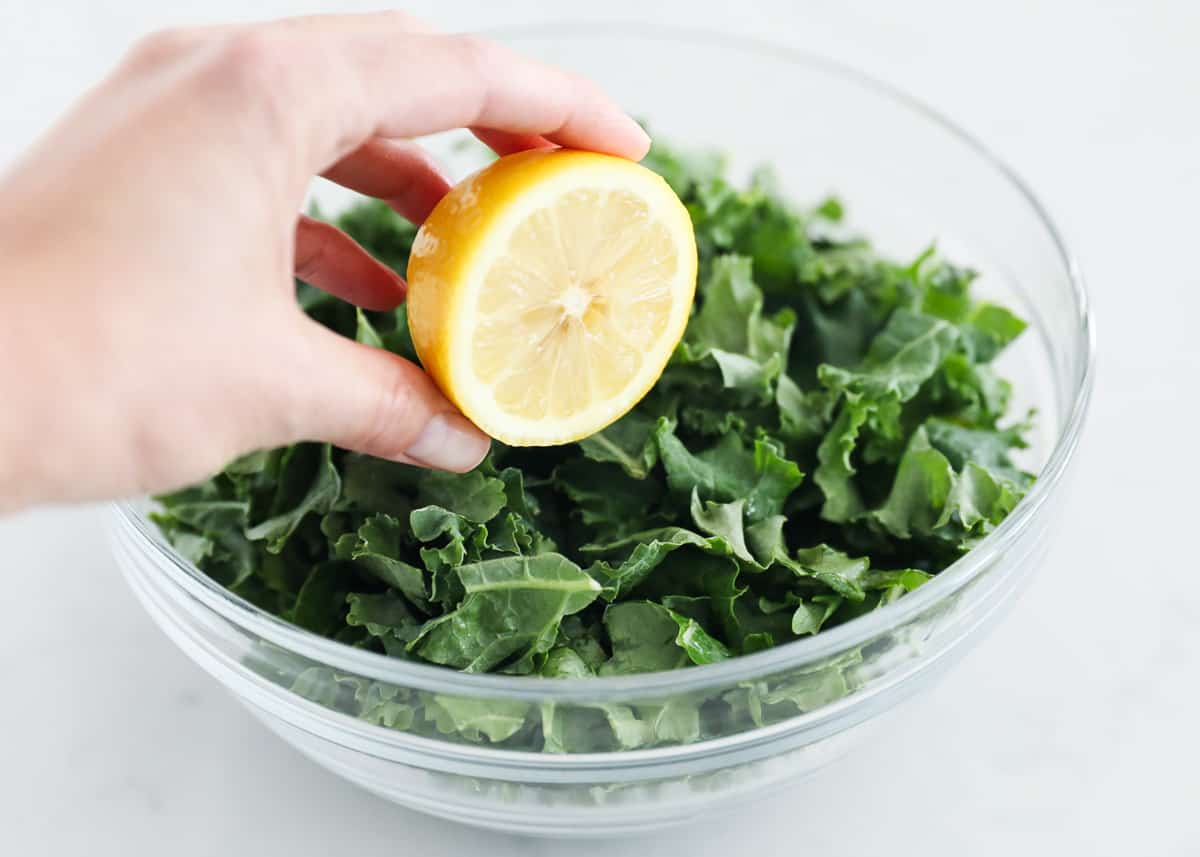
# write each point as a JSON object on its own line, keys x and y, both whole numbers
{"x": 1071, "y": 730}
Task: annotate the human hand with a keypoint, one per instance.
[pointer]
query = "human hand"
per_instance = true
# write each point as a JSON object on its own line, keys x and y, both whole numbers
{"x": 147, "y": 312}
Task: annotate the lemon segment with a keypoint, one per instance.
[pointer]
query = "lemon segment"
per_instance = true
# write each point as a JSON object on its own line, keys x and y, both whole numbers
{"x": 547, "y": 292}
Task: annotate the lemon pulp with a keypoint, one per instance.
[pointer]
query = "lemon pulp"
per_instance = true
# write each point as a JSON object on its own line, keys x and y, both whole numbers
{"x": 547, "y": 292}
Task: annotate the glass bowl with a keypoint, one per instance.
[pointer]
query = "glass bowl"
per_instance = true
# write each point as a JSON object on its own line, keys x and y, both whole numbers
{"x": 908, "y": 177}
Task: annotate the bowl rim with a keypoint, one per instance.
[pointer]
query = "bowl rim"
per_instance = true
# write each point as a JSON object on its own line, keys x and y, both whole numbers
{"x": 812, "y": 650}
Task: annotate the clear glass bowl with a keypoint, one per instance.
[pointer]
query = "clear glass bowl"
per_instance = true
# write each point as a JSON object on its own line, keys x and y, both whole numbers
{"x": 908, "y": 177}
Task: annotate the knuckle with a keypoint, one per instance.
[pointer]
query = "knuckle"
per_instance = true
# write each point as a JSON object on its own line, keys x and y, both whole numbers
{"x": 475, "y": 52}
{"x": 584, "y": 88}
{"x": 157, "y": 46}
{"x": 313, "y": 238}
{"x": 256, "y": 55}
{"x": 478, "y": 57}
{"x": 390, "y": 429}
{"x": 254, "y": 70}
{"x": 403, "y": 20}
{"x": 311, "y": 262}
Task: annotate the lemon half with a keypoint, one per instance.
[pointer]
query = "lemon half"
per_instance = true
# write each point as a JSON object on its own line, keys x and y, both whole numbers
{"x": 548, "y": 290}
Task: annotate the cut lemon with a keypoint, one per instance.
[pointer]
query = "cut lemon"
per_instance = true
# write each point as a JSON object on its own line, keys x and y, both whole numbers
{"x": 547, "y": 291}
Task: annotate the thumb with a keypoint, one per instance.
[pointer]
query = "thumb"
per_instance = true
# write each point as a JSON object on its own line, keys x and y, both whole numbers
{"x": 372, "y": 401}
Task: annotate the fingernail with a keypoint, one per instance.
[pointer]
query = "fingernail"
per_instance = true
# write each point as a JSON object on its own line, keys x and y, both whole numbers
{"x": 643, "y": 137}
{"x": 449, "y": 442}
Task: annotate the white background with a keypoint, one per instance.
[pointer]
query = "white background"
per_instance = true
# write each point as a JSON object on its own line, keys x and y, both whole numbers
{"x": 1072, "y": 729}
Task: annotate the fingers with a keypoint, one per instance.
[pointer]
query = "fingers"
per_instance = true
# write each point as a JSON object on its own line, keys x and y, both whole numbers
{"x": 401, "y": 173}
{"x": 161, "y": 47}
{"x": 328, "y": 258}
{"x": 478, "y": 83}
{"x": 505, "y": 142}
{"x": 372, "y": 401}
{"x": 309, "y": 92}
{"x": 372, "y": 75}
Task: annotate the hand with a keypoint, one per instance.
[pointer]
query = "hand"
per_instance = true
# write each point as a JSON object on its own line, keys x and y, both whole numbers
{"x": 147, "y": 317}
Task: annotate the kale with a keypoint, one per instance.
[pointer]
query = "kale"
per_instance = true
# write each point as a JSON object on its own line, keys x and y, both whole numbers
{"x": 826, "y": 437}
